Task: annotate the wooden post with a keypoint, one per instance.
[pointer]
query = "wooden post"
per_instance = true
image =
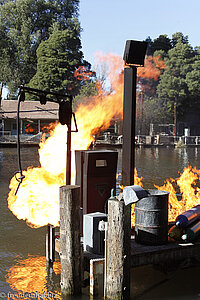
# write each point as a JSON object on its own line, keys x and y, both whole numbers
{"x": 117, "y": 285}
{"x": 70, "y": 246}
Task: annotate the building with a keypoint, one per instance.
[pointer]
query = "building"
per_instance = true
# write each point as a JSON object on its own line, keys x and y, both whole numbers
{"x": 190, "y": 122}
{"x": 34, "y": 117}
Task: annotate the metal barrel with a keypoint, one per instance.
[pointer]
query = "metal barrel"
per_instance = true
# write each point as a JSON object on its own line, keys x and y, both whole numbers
{"x": 151, "y": 218}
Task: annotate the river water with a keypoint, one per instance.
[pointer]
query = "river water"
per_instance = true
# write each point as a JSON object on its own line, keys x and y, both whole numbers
{"x": 22, "y": 249}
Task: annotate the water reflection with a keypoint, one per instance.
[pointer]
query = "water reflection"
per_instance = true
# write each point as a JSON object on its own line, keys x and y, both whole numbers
{"x": 1, "y": 156}
{"x": 31, "y": 275}
{"x": 196, "y": 153}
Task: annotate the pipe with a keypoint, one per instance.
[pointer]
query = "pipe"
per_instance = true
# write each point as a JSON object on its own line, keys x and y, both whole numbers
{"x": 21, "y": 97}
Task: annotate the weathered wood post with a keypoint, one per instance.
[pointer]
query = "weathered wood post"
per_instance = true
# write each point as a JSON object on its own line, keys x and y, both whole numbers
{"x": 70, "y": 247}
{"x": 117, "y": 260}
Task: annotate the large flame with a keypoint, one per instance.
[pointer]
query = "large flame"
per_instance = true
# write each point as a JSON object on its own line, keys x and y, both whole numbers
{"x": 183, "y": 192}
{"x": 37, "y": 200}
{"x": 189, "y": 193}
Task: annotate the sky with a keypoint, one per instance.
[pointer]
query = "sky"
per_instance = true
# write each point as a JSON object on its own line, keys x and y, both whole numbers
{"x": 107, "y": 24}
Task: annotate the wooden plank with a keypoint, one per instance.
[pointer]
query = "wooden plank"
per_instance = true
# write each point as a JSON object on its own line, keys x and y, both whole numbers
{"x": 172, "y": 251}
{"x": 97, "y": 277}
{"x": 144, "y": 255}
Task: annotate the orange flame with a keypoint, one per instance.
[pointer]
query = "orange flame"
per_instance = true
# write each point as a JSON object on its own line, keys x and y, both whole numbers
{"x": 82, "y": 74}
{"x": 190, "y": 195}
{"x": 137, "y": 181}
{"x": 30, "y": 276}
{"x": 152, "y": 69}
{"x": 37, "y": 200}
{"x": 189, "y": 192}
{"x": 30, "y": 128}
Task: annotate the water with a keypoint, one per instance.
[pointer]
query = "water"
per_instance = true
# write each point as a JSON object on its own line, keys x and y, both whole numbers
{"x": 22, "y": 249}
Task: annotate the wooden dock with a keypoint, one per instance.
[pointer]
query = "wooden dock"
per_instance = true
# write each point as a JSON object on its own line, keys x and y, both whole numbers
{"x": 171, "y": 252}
{"x": 122, "y": 253}
{"x": 145, "y": 254}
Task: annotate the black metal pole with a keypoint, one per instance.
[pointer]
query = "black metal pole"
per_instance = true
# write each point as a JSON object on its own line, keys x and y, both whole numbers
{"x": 21, "y": 97}
{"x": 68, "y": 163}
{"x": 129, "y": 116}
{"x": 50, "y": 245}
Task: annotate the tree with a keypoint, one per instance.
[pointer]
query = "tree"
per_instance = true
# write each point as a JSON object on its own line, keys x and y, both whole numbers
{"x": 57, "y": 59}
{"x": 23, "y": 25}
{"x": 179, "y": 81}
{"x": 179, "y": 37}
{"x": 149, "y": 43}
{"x": 87, "y": 80}
{"x": 173, "y": 87}
{"x": 161, "y": 43}
{"x": 193, "y": 77}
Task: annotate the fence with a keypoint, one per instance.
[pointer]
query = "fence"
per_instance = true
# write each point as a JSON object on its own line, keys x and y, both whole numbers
{"x": 167, "y": 140}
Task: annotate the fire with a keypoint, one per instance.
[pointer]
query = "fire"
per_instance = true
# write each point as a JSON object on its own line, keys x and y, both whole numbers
{"x": 29, "y": 128}
{"x": 110, "y": 62}
{"x": 186, "y": 184}
{"x": 152, "y": 69}
{"x": 37, "y": 200}
{"x": 184, "y": 187}
{"x": 82, "y": 74}
{"x": 30, "y": 276}
{"x": 137, "y": 181}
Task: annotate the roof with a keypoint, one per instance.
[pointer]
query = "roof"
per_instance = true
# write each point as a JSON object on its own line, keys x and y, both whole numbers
{"x": 29, "y": 110}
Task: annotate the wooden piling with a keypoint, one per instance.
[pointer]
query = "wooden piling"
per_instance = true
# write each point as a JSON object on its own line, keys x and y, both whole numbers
{"x": 117, "y": 283}
{"x": 70, "y": 246}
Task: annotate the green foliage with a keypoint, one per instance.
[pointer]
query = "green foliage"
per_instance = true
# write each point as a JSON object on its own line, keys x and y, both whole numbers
{"x": 179, "y": 83}
{"x": 23, "y": 25}
{"x": 57, "y": 59}
{"x": 156, "y": 111}
{"x": 173, "y": 85}
{"x": 161, "y": 43}
{"x": 179, "y": 37}
{"x": 193, "y": 78}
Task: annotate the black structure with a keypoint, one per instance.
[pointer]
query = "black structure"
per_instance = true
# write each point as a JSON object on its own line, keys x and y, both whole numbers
{"x": 65, "y": 118}
{"x": 133, "y": 56}
{"x": 134, "y": 53}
